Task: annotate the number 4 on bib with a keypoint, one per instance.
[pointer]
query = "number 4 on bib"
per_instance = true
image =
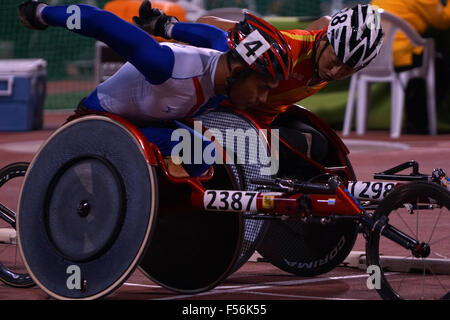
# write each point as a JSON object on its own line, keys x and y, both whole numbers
{"x": 252, "y": 47}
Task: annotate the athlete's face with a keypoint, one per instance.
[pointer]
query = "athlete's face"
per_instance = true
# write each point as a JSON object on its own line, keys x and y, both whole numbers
{"x": 251, "y": 91}
{"x": 330, "y": 67}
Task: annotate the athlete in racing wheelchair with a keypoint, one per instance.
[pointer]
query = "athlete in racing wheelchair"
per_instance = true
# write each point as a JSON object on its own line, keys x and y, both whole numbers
{"x": 174, "y": 242}
{"x": 160, "y": 83}
{"x": 350, "y": 41}
{"x": 130, "y": 91}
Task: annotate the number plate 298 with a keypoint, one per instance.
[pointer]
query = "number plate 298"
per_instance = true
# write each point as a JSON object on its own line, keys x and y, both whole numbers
{"x": 225, "y": 200}
{"x": 370, "y": 190}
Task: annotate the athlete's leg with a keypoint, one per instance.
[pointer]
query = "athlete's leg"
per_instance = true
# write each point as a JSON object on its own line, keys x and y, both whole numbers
{"x": 186, "y": 145}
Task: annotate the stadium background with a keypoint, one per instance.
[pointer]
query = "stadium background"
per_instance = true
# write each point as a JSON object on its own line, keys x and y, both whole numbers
{"x": 71, "y": 58}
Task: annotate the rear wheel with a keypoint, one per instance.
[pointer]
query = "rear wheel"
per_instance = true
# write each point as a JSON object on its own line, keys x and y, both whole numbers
{"x": 86, "y": 211}
{"x": 12, "y": 268}
{"x": 192, "y": 251}
{"x": 422, "y": 211}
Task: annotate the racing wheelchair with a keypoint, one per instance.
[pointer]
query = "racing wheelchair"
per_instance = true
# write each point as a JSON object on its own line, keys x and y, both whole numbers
{"x": 99, "y": 200}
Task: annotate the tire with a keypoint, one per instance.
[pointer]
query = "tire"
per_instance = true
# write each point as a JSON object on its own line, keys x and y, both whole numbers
{"x": 87, "y": 207}
{"x": 192, "y": 251}
{"x": 12, "y": 270}
{"x": 402, "y": 274}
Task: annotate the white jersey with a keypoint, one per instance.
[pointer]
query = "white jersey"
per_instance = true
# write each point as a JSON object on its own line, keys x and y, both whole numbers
{"x": 190, "y": 87}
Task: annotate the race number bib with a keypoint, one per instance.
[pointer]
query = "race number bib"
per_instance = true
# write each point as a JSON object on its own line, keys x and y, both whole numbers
{"x": 253, "y": 46}
{"x": 370, "y": 190}
{"x": 226, "y": 200}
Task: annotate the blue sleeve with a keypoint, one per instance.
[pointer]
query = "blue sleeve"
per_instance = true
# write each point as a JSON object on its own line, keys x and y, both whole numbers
{"x": 201, "y": 35}
{"x": 154, "y": 61}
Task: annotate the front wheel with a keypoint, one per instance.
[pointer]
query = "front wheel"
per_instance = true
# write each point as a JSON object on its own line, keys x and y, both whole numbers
{"x": 420, "y": 210}
{"x": 12, "y": 269}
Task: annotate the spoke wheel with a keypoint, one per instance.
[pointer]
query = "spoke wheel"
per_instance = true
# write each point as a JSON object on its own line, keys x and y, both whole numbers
{"x": 420, "y": 210}
{"x": 12, "y": 269}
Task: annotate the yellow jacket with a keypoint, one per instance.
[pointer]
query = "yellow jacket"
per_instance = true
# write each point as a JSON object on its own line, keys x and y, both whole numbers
{"x": 420, "y": 14}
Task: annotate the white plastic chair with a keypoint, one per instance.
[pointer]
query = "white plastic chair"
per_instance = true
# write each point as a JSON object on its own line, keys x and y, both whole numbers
{"x": 381, "y": 69}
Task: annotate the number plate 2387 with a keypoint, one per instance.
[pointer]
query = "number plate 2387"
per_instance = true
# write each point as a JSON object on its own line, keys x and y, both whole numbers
{"x": 226, "y": 200}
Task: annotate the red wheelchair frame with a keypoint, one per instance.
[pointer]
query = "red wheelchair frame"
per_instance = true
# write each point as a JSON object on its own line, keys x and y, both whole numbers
{"x": 320, "y": 202}
{"x": 326, "y": 200}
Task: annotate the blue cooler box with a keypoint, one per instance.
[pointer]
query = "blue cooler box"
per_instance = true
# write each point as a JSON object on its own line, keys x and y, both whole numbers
{"x": 22, "y": 94}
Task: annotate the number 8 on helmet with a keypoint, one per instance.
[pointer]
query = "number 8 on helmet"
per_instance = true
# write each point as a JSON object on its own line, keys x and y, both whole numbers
{"x": 356, "y": 35}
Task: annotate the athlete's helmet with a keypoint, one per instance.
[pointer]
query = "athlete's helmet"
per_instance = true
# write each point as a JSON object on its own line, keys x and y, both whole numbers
{"x": 261, "y": 46}
{"x": 356, "y": 35}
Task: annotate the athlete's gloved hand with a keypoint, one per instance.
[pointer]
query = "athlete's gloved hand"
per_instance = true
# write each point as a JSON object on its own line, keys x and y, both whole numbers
{"x": 27, "y": 12}
{"x": 154, "y": 21}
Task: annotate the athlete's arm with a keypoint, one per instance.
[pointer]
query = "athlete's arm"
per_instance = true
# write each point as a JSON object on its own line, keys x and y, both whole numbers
{"x": 200, "y": 35}
{"x": 319, "y": 24}
{"x": 153, "y": 60}
{"x": 220, "y": 23}
{"x": 226, "y": 24}
{"x": 205, "y": 33}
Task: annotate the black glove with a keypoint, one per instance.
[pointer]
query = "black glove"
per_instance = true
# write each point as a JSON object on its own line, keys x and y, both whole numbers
{"x": 153, "y": 20}
{"x": 27, "y": 15}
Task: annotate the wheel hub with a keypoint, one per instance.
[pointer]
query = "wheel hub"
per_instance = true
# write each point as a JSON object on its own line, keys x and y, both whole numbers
{"x": 421, "y": 250}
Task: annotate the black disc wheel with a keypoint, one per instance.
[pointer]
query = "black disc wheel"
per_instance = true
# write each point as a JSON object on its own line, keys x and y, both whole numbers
{"x": 86, "y": 209}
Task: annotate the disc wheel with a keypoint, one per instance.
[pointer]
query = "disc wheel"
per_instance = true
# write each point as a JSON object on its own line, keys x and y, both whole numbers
{"x": 12, "y": 269}
{"x": 420, "y": 210}
{"x": 86, "y": 208}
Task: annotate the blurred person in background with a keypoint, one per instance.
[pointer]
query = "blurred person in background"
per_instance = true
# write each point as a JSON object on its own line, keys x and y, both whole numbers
{"x": 422, "y": 15}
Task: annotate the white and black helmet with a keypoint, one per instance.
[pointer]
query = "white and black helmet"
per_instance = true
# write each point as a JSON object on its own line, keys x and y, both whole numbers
{"x": 356, "y": 35}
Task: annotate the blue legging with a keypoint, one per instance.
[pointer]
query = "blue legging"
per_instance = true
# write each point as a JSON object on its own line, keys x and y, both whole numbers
{"x": 186, "y": 142}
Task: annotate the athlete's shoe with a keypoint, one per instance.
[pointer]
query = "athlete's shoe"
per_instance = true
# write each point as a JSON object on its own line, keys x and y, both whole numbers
{"x": 154, "y": 20}
{"x": 27, "y": 12}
